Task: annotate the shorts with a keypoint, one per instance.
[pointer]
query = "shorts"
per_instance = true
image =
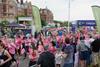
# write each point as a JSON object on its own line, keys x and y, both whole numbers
{"x": 95, "y": 58}
{"x": 85, "y": 55}
{"x": 31, "y": 63}
{"x": 68, "y": 65}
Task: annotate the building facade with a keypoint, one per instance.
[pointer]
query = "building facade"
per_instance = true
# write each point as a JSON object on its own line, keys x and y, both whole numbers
{"x": 46, "y": 15}
{"x": 10, "y": 9}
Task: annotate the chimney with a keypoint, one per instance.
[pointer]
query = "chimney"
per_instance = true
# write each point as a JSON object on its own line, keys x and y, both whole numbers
{"x": 22, "y": 2}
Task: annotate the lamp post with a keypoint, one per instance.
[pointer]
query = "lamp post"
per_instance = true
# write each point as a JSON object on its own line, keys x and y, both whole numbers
{"x": 45, "y": 4}
{"x": 68, "y": 15}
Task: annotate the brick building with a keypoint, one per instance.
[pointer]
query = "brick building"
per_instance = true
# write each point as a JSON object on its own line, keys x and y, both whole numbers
{"x": 10, "y": 9}
{"x": 46, "y": 15}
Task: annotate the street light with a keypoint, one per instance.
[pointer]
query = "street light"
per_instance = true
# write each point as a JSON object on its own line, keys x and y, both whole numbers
{"x": 45, "y": 4}
{"x": 68, "y": 15}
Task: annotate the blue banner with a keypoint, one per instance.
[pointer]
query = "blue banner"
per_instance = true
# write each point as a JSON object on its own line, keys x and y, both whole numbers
{"x": 86, "y": 23}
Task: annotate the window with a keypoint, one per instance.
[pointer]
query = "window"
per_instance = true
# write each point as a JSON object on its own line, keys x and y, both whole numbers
{"x": 25, "y": 10}
{"x": 4, "y": 8}
{"x": 3, "y": 0}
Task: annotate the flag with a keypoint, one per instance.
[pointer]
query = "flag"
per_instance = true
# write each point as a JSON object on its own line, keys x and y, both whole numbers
{"x": 36, "y": 17}
{"x": 96, "y": 13}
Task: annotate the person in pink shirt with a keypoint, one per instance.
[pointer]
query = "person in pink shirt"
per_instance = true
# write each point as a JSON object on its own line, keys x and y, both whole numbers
{"x": 59, "y": 41}
{"x": 45, "y": 42}
{"x": 40, "y": 47}
{"x": 33, "y": 40}
{"x": 18, "y": 42}
{"x": 63, "y": 38}
{"x": 21, "y": 36}
{"x": 58, "y": 38}
{"x": 68, "y": 35}
{"x": 5, "y": 40}
{"x": 29, "y": 41}
{"x": 11, "y": 49}
{"x": 78, "y": 35}
{"x": 33, "y": 55}
{"x": 24, "y": 48}
{"x": 52, "y": 48}
{"x": 28, "y": 44}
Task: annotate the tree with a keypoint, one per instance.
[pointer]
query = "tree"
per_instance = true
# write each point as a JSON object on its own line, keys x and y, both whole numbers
{"x": 4, "y": 23}
{"x": 58, "y": 23}
{"x": 66, "y": 23}
{"x": 19, "y": 16}
{"x": 44, "y": 23}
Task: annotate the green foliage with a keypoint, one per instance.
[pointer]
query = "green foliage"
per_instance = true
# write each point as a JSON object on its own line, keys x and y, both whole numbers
{"x": 29, "y": 22}
{"x": 16, "y": 18}
{"x": 62, "y": 23}
{"x": 57, "y": 21}
{"x": 4, "y": 23}
{"x": 43, "y": 23}
{"x": 66, "y": 23}
{"x": 19, "y": 16}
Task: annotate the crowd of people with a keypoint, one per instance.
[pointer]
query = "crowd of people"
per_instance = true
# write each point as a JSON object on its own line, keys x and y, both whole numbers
{"x": 56, "y": 48}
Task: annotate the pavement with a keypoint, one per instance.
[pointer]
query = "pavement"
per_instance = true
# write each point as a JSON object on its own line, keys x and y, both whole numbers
{"x": 25, "y": 62}
{"x": 22, "y": 62}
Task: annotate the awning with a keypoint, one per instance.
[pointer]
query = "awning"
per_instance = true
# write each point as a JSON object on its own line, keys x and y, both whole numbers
{"x": 15, "y": 25}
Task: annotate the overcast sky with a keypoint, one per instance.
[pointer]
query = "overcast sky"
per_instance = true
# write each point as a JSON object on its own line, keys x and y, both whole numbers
{"x": 79, "y": 10}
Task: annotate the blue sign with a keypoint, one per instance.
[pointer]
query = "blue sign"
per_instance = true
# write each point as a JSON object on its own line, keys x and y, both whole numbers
{"x": 86, "y": 23}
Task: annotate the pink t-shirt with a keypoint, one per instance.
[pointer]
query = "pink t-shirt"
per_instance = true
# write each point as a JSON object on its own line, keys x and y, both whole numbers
{"x": 68, "y": 35}
{"x": 33, "y": 40}
{"x": 40, "y": 48}
{"x": 86, "y": 36}
{"x": 33, "y": 55}
{"x": 45, "y": 42}
{"x": 63, "y": 39}
{"x": 5, "y": 41}
{"x": 28, "y": 42}
{"x": 58, "y": 38}
{"x": 52, "y": 49}
{"x": 18, "y": 42}
{"x": 12, "y": 48}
